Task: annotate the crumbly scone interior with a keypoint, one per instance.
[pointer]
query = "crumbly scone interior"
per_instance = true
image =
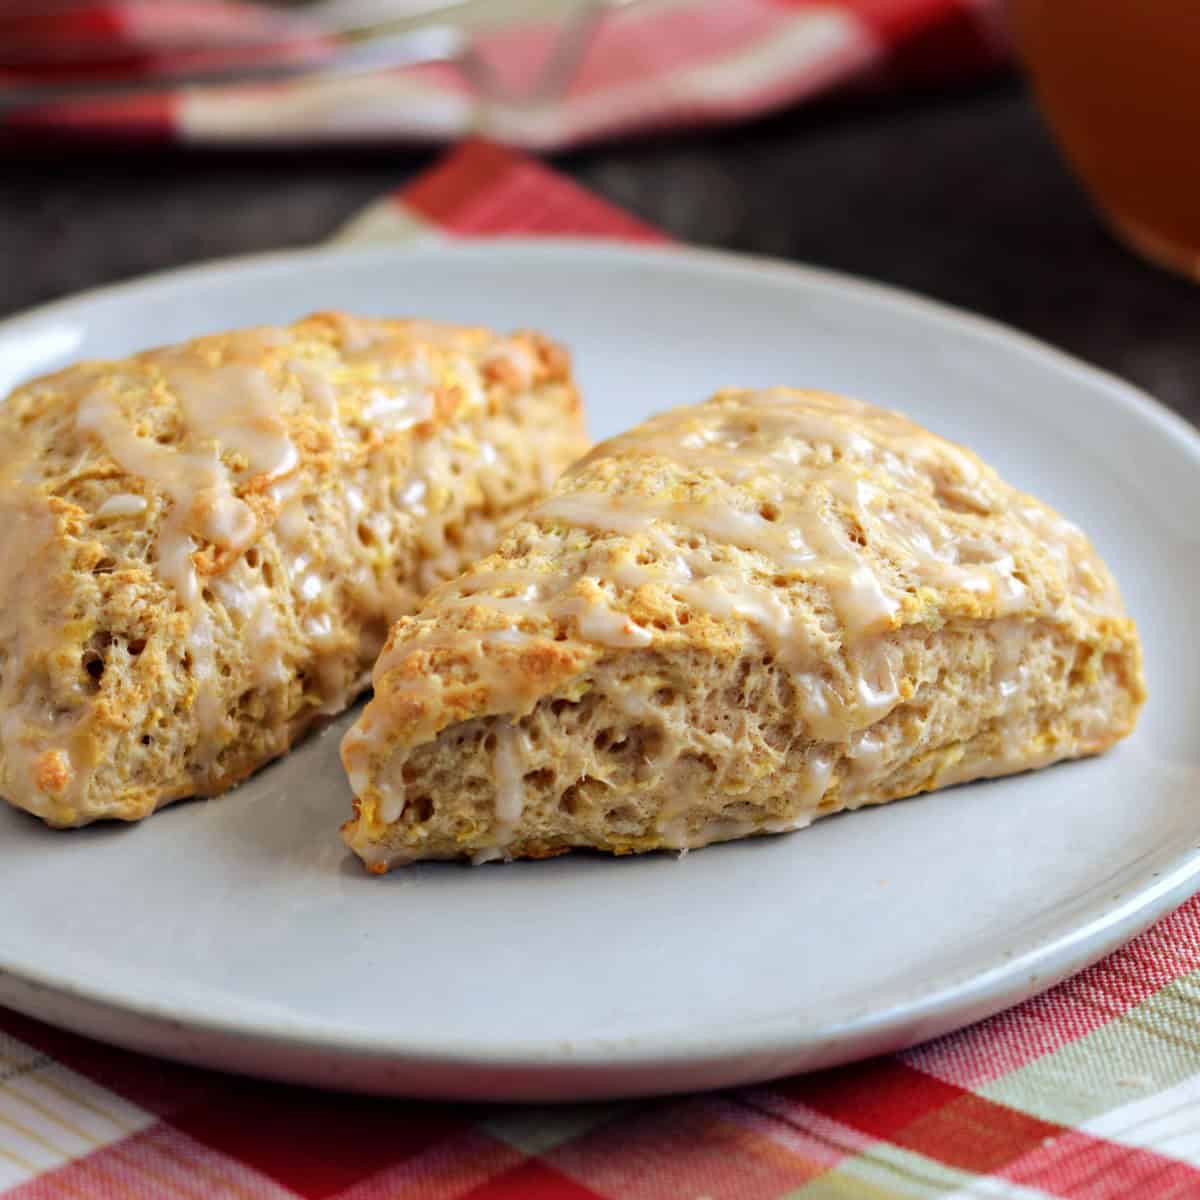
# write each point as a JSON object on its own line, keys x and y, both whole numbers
{"x": 734, "y": 619}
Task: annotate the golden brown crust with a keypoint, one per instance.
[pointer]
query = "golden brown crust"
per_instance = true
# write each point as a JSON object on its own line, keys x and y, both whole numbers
{"x": 217, "y": 535}
{"x": 759, "y": 610}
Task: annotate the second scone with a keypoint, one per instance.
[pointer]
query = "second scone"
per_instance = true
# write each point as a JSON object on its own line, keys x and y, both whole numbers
{"x": 204, "y": 545}
{"x": 734, "y": 619}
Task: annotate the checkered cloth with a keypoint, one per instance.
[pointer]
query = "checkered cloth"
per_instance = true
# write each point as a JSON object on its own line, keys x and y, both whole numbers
{"x": 1091, "y": 1091}
{"x": 652, "y": 66}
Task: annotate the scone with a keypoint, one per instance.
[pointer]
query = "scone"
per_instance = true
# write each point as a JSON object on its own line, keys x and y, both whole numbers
{"x": 734, "y": 619}
{"x": 204, "y": 545}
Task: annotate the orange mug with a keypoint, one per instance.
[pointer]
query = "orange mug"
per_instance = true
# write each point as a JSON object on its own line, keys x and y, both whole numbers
{"x": 1119, "y": 83}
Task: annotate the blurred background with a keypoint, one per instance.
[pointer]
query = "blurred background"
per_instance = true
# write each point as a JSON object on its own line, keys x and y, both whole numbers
{"x": 997, "y": 154}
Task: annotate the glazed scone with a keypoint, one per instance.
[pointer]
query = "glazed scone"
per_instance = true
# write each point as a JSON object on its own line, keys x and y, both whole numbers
{"x": 204, "y": 545}
{"x": 732, "y": 620}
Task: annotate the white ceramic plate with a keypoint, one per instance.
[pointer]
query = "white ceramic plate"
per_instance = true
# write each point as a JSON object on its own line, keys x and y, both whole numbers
{"x": 239, "y": 933}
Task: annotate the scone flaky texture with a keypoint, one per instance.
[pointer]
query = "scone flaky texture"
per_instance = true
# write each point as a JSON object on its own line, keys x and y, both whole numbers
{"x": 734, "y": 619}
{"x": 205, "y": 544}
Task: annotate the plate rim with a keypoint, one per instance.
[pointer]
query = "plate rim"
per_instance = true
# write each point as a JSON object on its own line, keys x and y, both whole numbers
{"x": 1042, "y": 963}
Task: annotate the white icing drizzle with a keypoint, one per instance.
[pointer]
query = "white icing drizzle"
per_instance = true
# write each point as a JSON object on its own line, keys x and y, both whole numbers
{"x": 797, "y": 540}
{"x": 403, "y": 397}
{"x": 245, "y": 594}
{"x": 393, "y": 800}
{"x": 311, "y": 586}
{"x": 263, "y": 643}
{"x": 291, "y": 521}
{"x": 237, "y": 407}
{"x": 231, "y": 408}
{"x": 413, "y": 495}
{"x": 866, "y": 752}
{"x": 819, "y": 771}
{"x": 317, "y": 391}
{"x": 125, "y": 504}
{"x": 488, "y": 854}
{"x": 876, "y": 692}
{"x": 1008, "y": 672}
{"x": 726, "y": 591}
{"x": 602, "y": 624}
{"x": 203, "y": 500}
{"x": 510, "y": 783}
{"x": 595, "y": 620}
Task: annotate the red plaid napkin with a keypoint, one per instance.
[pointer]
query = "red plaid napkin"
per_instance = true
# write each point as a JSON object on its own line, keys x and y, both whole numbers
{"x": 1091, "y": 1091}
{"x": 652, "y": 66}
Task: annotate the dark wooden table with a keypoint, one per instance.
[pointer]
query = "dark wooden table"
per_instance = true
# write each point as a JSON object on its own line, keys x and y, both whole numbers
{"x": 959, "y": 195}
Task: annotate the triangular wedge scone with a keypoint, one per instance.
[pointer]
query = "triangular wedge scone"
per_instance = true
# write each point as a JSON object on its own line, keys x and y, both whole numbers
{"x": 205, "y": 545}
{"x": 731, "y": 620}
